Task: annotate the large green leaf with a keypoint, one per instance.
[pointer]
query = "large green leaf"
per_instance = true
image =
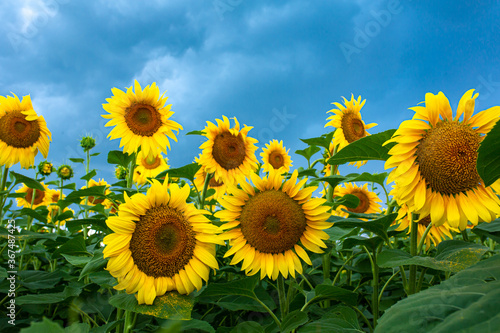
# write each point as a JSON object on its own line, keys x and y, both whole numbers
{"x": 75, "y": 225}
{"x": 491, "y": 230}
{"x": 308, "y": 152}
{"x": 120, "y": 158}
{"x": 49, "y": 297}
{"x": 187, "y": 171}
{"x": 452, "y": 256}
{"x": 378, "y": 226}
{"x": 322, "y": 141}
{"x": 30, "y": 182}
{"x": 74, "y": 246}
{"x": 242, "y": 287}
{"x": 336, "y": 325}
{"x": 467, "y": 302}
{"x": 172, "y": 305}
{"x": 367, "y": 148}
{"x": 328, "y": 292}
{"x": 36, "y": 280}
{"x": 44, "y": 326}
{"x": 488, "y": 156}
{"x": 293, "y": 320}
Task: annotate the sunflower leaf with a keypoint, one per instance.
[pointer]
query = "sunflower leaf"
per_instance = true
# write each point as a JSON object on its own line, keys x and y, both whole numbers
{"x": 196, "y": 133}
{"x": 308, "y": 152}
{"x": 467, "y": 302}
{"x": 378, "y": 226}
{"x": 491, "y": 230}
{"x": 368, "y": 148}
{"x": 89, "y": 176}
{"x": 488, "y": 156}
{"x": 378, "y": 178}
{"x": 30, "y": 182}
{"x": 293, "y": 320}
{"x": 120, "y": 158}
{"x": 322, "y": 141}
{"x": 187, "y": 171}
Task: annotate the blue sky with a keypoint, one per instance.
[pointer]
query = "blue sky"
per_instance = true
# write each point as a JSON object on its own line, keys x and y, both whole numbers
{"x": 276, "y": 66}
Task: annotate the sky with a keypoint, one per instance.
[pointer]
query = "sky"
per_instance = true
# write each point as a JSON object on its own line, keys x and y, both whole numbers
{"x": 276, "y": 66}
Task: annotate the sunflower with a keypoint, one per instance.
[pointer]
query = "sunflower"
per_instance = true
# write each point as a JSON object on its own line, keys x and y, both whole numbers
{"x": 369, "y": 202}
{"x": 54, "y": 211}
{"x": 268, "y": 222}
{"x": 149, "y": 167}
{"x": 435, "y": 162}
{"x": 141, "y": 119}
{"x": 22, "y": 132}
{"x": 275, "y": 156}
{"x": 436, "y": 234}
{"x": 161, "y": 243}
{"x": 92, "y": 201}
{"x": 348, "y": 123}
{"x": 218, "y": 185}
{"x": 41, "y": 198}
{"x": 228, "y": 153}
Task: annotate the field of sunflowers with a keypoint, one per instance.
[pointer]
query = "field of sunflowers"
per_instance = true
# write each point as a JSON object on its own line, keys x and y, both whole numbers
{"x": 237, "y": 242}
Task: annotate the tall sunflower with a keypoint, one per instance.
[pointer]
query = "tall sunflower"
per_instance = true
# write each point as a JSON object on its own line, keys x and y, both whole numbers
{"x": 275, "y": 156}
{"x": 40, "y": 198}
{"x": 436, "y": 234}
{"x": 141, "y": 119}
{"x": 161, "y": 243}
{"x": 22, "y": 132}
{"x": 149, "y": 167}
{"x": 267, "y": 224}
{"x": 369, "y": 202}
{"x": 228, "y": 153}
{"x": 348, "y": 123}
{"x": 435, "y": 162}
{"x": 218, "y": 185}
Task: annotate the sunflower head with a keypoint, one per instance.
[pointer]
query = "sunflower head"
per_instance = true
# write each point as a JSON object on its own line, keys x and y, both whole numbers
{"x": 228, "y": 153}
{"x": 141, "y": 119}
{"x": 435, "y": 162}
{"x": 45, "y": 168}
{"x": 33, "y": 198}
{"x": 348, "y": 123}
{"x": 369, "y": 202}
{"x": 275, "y": 156}
{"x": 121, "y": 172}
{"x": 272, "y": 223}
{"x": 22, "y": 132}
{"x": 87, "y": 143}
{"x": 148, "y": 166}
{"x": 160, "y": 243}
{"x": 65, "y": 172}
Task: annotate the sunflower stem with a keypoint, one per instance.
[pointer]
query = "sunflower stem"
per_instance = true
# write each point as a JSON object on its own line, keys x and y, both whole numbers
{"x": 4, "y": 196}
{"x": 127, "y": 325}
{"x": 282, "y": 297}
{"x": 205, "y": 188}
{"x": 412, "y": 283}
{"x": 464, "y": 235}
{"x": 276, "y": 320}
{"x": 375, "y": 286}
{"x": 131, "y": 167}
{"x": 424, "y": 236}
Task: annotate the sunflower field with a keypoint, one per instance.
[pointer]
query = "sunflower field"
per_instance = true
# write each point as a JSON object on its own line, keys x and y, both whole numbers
{"x": 241, "y": 241}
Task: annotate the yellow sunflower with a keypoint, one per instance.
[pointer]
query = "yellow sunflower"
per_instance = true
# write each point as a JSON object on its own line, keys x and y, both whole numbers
{"x": 54, "y": 211}
{"x": 228, "y": 153}
{"x": 275, "y": 156}
{"x": 435, "y": 162}
{"x": 149, "y": 167}
{"x": 161, "y": 243}
{"x": 92, "y": 201}
{"x": 22, "y": 132}
{"x": 369, "y": 202}
{"x": 268, "y": 222}
{"x": 141, "y": 119}
{"x": 218, "y": 185}
{"x": 436, "y": 234}
{"x": 41, "y": 198}
{"x": 348, "y": 123}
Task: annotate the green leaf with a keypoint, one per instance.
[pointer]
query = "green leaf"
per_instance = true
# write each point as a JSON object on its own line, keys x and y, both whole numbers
{"x": 187, "y": 171}
{"x": 34, "y": 214}
{"x": 333, "y": 180}
{"x": 75, "y": 225}
{"x": 49, "y": 298}
{"x": 196, "y": 133}
{"x": 77, "y": 328}
{"x": 348, "y": 200}
{"x": 370, "y": 243}
{"x": 30, "y": 182}
{"x": 75, "y": 246}
{"x": 336, "y": 325}
{"x": 248, "y": 326}
{"x": 44, "y": 326}
{"x": 308, "y": 152}
{"x": 94, "y": 154}
{"x": 378, "y": 226}
{"x": 467, "y": 302}
{"x": 120, "y": 158}
{"x": 195, "y": 324}
{"x": 322, "y": 141}
{"x": 242, "y": 287}
{"x": 89, "y": 176}
{"x": 106, "y": 328}
{"x": 78, "y": 261}
{"x": 338, "y": 233}
{"x": 488, "y": 156}
{"x": 237, "y": 302}
{"x": 36, "y": 280}
{"x": 367, "y": 148}
{"x": 103, "y": 278}
{"x": 172, "y": 305}
{"x": 77, "y": 160}
{"x": 95, "y": 264}
{"x": 64, "y": 216}
{"x": 325, "y": 291}
{"x": 293, "y": 320}
{"x": 95, "y": 191}
{"x": 491, "y": 230}
{"x": 378, "y": 178}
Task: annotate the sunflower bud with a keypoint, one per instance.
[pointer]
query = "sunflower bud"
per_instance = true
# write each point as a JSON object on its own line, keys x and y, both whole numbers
{"x": 121, "y": 172}
{"x": 45, "y": 168}
{"x": 65, "y": 172}
{"x": 87, "y": 143}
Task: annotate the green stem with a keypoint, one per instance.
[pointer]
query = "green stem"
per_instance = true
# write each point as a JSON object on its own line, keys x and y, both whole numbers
{"x": 4, "y": 196}
{"x": 385, "y": 285}
{"x": 464, "y": 235}
{"x": 424, "y": 236}
{"x": 128, "y": 322}
{"x": 205, "y": 188}
{"x": 276, "y": 320}
{"x": 355, "y": 308}
{"x": 375, "y": 286}
{"x": 337, "y": 276}
{"x": 131, "y": 168}
{"x": 282, "y": 297}
{"x": 412, "y": 283}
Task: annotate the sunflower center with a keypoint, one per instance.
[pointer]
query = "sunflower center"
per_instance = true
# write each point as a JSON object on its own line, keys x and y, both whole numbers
{"x": 447, "y": 157}
{"x": 229, "y": 150}
{"x": 353, "y": 127}
{"x": 143, "y": 119}
{"x": 276, "y": 160}
{"x": 93, "y": 200}
{"x": 18, "y": 132}
{"x": 214, "y": 182}
{"x": 151, "y": 163}
{"x": 39, "y": 195}
{"x": 364, "y": 203}
{"x": 272, "y": 222}
{"x": 425, "y": 221}
{"x": 163, "y": 242}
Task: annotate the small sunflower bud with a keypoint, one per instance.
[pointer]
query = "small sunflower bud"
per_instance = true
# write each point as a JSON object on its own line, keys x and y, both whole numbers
{"x": 121, "y": 172}
{"x": 65, "y": 172}
{"x": 87, "y": 143}
{"x": 45, "y": 168}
